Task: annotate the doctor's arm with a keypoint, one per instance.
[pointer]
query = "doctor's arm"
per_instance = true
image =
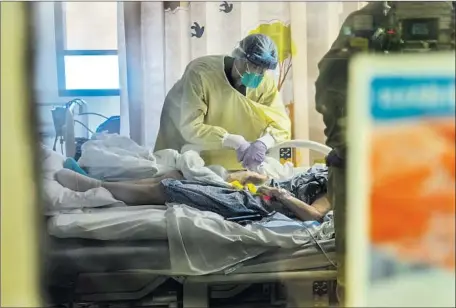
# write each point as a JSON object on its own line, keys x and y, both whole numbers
{"x": 279, "y": 127}
{"x": 193, "y": 111}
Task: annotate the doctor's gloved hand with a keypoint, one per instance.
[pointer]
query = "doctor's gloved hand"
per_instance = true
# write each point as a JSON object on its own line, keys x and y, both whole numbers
{"x": 237, "y": 143}
{"x": 256, "y": 153}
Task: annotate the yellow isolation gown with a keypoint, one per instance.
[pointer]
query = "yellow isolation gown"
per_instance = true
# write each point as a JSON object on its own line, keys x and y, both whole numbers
{"x": 203, "y": 106}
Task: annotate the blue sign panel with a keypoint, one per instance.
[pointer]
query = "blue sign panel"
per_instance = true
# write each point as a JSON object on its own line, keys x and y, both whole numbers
{"x": 395, "y": 97}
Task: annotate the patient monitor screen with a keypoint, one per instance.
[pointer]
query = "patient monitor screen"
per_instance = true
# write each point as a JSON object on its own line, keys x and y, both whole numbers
{"x": 425, "y": 29}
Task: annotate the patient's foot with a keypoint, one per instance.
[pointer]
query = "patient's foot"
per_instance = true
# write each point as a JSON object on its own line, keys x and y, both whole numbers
{"x": 75, "y": 181}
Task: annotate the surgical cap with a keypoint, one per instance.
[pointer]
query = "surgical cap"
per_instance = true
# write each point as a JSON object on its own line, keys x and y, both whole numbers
{"x": 258, "y": 49}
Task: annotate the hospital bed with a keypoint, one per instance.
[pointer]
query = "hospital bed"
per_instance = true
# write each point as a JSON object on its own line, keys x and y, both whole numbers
{"x": 134, "y": 274}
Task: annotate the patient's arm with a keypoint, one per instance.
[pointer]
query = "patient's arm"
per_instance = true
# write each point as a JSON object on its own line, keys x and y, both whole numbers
{"x": 302, "y": 210}
{"x": 246, "y": 177}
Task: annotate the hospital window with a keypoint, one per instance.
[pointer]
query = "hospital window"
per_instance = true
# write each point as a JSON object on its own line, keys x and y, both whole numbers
{"x": 86, "y": 46}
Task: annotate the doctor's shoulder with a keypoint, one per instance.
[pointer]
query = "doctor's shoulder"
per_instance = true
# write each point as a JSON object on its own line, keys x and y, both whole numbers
{"x": 267, "y": 92}
{"x": 204, "y": 65}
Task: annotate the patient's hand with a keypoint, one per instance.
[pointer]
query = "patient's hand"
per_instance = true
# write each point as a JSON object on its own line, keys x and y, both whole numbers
{"x": 247, "y": 177}
{"x": 274, "y": 192}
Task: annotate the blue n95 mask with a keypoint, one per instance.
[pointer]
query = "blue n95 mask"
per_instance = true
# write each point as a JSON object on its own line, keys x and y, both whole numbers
{"x": 251, "y": 80}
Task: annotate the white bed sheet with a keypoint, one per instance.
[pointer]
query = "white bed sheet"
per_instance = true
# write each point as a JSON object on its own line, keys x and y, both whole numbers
{"x": 188, "y": 232}
{"x": 97, "y": 215}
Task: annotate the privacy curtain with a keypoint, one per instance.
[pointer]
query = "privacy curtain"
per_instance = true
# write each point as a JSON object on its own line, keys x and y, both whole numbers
{"x": 158, "y": 39}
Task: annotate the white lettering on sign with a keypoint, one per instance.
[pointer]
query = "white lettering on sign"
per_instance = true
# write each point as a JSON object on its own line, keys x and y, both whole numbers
{"x": 417, "y": 96}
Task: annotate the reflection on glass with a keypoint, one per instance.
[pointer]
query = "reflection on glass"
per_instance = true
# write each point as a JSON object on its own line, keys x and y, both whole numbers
{"x": 103, "y": 251}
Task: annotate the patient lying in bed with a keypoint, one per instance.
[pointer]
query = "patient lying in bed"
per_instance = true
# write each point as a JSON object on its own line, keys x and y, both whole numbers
{"x": 303, "y": 197}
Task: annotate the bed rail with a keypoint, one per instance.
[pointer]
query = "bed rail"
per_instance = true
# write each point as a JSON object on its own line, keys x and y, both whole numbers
{"x": 264, "y": 277}
{"x": 298, "y": 143}
{"x": 304, "y": 144}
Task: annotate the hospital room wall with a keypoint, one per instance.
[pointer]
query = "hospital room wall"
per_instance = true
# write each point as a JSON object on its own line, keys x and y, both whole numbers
{"x": 46, "y": 85}
{"x": 324, "y": 20}
{"x": 323, "y": 23}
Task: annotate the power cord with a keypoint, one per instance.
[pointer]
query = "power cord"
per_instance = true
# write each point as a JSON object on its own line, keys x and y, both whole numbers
{"x": 321, "y": 248}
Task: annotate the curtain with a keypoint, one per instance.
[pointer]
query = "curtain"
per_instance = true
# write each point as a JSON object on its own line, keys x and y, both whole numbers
{"x": 158, "y": 39}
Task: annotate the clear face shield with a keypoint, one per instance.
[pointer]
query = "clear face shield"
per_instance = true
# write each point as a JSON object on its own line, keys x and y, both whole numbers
{"x": 252, "y": 75}
{"x": 254, "y": 69}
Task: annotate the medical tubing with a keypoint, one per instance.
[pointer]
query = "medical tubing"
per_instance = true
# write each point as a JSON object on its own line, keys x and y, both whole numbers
{"x": 321, "y": 248}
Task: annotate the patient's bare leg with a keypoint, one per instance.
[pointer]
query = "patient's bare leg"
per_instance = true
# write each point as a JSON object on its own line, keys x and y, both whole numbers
{"x": 76, "y": 181}
{"x": 137, "y": 194}
{"x": 130, "y": 193}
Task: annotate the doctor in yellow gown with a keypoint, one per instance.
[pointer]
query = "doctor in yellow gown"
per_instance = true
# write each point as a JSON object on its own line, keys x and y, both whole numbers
{"x": 228, "y": 105}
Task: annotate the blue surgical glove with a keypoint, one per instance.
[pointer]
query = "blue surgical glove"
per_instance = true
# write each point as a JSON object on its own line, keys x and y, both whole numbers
{"x": 237, "y": 143}
{"x": 240, "y": 152}
{"x": 254, "y": 155}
